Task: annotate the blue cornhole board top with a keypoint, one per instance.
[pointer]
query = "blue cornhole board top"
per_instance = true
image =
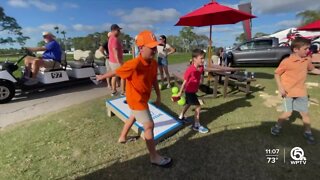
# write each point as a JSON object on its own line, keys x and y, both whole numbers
{"x": 164, "y": 124}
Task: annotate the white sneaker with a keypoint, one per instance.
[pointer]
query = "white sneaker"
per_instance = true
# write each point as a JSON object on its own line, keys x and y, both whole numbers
{"x": 200, "y": 129}
{"x": 168, "y": 86}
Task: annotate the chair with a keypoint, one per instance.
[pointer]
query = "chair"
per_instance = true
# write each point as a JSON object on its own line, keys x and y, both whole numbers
{"x": 82, "y": 59}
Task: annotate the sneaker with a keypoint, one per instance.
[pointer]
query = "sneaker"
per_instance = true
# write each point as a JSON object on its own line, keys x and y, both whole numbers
{"x": 275, "y": 130}
{"x": 184, "y": 120}
{"x": 168, "y": 86}
{"x": 95, "y": 81}
{"x": 309, "y": 137}
{"x": 31, "y": 82}
{"x": 200, "y": 129}
{"x": 114, "y": 93}
{"x": 123, "y": 94}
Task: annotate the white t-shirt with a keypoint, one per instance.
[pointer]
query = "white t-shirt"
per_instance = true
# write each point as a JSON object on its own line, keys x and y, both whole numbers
{"x": 163, "y": 51}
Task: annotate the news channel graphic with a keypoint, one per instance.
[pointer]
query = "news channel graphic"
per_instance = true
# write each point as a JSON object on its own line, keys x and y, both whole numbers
{"x": 295, "y": 156}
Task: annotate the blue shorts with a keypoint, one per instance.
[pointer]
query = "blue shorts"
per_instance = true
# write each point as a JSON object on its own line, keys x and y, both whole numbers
{"x": 299, "y": 104}
{"x": 162, "y": 61}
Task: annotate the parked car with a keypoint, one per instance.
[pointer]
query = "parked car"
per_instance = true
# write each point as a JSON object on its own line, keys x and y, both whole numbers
{"x": 260, "y": 51}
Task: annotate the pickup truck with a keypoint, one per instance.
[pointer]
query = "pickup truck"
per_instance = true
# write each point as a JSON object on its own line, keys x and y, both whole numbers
{"x": 260, "y": 51}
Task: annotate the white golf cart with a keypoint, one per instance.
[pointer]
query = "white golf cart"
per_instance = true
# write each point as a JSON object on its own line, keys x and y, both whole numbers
{"x": 65, "y": 74}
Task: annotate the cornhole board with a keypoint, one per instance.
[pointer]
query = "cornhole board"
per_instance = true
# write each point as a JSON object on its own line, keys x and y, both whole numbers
{"x": 164, "y": 124}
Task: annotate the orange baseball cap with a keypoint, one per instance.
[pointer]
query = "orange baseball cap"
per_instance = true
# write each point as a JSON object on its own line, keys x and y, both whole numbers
{"x": 146, "y": 38}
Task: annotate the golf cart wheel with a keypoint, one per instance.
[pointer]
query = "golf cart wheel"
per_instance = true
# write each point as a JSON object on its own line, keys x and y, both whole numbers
{"x": 7, "y": 91}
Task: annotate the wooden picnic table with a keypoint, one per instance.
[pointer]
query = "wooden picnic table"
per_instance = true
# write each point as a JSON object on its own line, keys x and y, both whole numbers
{"x": 217, "y": 72}
{"x": 316, "y": 64}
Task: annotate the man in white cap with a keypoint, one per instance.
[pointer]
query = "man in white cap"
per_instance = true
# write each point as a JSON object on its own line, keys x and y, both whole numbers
{"x": 51, "y": 56}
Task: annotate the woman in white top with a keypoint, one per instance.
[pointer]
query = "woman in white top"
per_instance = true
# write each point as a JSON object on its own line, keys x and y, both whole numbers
{"x": 164, "y": 50}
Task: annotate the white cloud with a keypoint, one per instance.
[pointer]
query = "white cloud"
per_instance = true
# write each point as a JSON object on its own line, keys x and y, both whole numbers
{"x": 70, "y": 5}
{"x": 18, "y": 3}
{"x": 84, "y": 28}
{"x": 50, "y": 27}
{"x": 43, "y": 27}
{"x": 127, "y": 27}
{"x": 144, "y": 18}
{"x": 137, "y": 27}
{"x": 147, "y": 15}
{"x": 234, "y": 6}
{"x": 288, "y": 23}
{"x": 43, "y": 6}
{"x": 283, "y": 6}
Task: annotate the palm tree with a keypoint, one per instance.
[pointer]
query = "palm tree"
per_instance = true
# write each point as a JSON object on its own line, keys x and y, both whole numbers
{"x": 57, "y": 29}
{"x": 64, "y": 39}
{"x": 64, "y": 34}
{"x": 308, "y": 16}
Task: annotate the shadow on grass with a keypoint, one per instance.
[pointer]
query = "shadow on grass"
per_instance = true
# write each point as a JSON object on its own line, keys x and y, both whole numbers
{"x": 53, "y": 91}
{"x": 263, "y": 75}
{"x": 227, "y": 154}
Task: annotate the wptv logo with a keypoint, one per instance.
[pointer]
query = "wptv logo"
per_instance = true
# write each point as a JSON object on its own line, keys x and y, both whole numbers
{"x": 297, "y": 154}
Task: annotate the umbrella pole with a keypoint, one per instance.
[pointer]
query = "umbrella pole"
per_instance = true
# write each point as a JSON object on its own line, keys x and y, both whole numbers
{"x": 209, "y": 54}
{"x": 210, "y": 49}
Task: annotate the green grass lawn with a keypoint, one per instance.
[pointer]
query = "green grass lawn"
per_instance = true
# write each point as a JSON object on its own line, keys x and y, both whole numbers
{"x": 81, "y": 142}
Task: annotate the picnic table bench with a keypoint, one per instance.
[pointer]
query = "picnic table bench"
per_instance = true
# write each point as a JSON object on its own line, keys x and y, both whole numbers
{"x": 217, "y": 73}
{"x": 316, "y": 64}
{"x": 240, "y": 81}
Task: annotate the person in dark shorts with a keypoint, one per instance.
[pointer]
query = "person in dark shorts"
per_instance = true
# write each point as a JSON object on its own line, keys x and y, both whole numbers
{"x": 190, "y": 85}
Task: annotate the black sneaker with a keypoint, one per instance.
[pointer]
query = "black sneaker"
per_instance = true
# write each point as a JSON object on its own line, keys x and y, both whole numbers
{"x": 310, "y": 138}
{"x": 275, "y": 130}
{"x": 184, "y": 120}
{"x": 114, "y": 93}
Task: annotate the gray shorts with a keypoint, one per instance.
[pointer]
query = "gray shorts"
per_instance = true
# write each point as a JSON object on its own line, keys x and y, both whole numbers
{"x": 299, "y": 104}
{"x": 114, "y": 66}
{"x": 143, "y": 116}
{"x": 108, "y": 69}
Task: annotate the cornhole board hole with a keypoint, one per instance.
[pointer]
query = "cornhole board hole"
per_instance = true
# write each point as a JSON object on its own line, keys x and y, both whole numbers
{"x": 164, "y": 124}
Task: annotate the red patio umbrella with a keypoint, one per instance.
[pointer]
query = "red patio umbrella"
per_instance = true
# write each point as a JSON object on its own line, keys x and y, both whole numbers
{"x": 314, "y": 26}
{"x": 213, "y": 13}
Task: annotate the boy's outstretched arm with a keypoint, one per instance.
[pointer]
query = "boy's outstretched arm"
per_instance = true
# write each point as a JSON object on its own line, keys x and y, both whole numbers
{"x": 182, "y": 88}
{"x": 281, "y": 90}
{"x": 157, "y": 90}
{"x": 106, "y": 75}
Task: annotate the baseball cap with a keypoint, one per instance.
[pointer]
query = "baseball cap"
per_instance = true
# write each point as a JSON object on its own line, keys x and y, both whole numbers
{"x": 146, "y": 38}
{"x": 47, "y": 34}
{"x": 115, "y": 27}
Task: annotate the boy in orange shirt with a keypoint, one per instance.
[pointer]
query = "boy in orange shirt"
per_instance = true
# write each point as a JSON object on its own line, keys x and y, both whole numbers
{"x": 290, "y": 77}
{"x": 140, "y": 74}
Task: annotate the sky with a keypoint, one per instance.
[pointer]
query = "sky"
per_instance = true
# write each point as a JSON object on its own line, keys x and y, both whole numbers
{"x": 81, "y": 17}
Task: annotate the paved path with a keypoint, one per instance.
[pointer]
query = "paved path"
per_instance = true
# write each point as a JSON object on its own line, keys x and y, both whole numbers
{"x": 35, "y": 104}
